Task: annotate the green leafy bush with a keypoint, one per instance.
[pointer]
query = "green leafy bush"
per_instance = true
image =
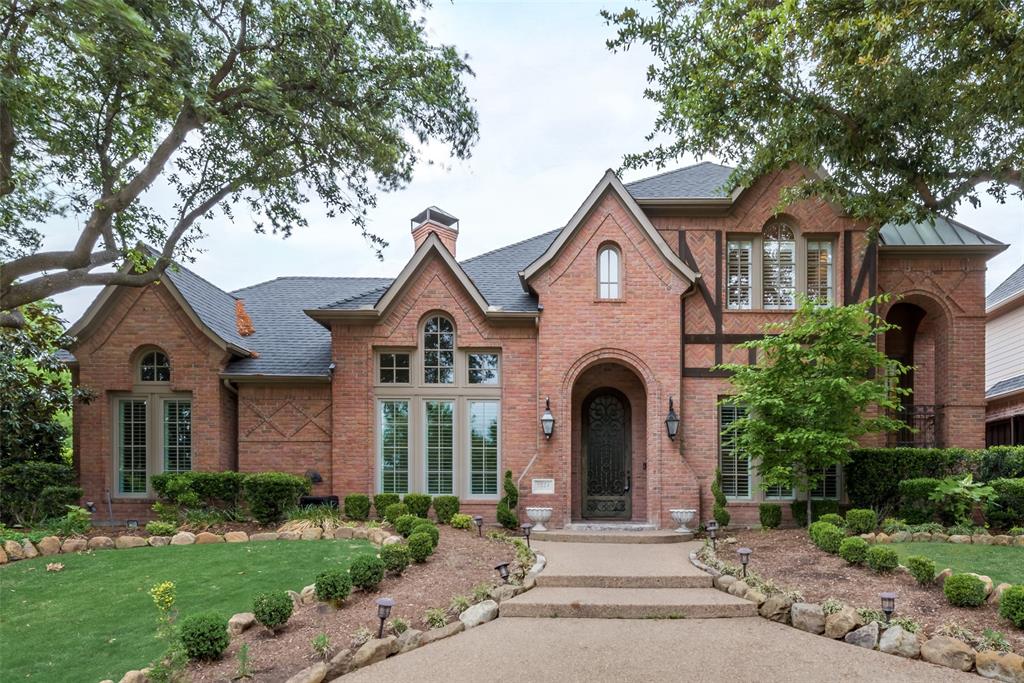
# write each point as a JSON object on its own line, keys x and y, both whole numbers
{"x": 271, "y": 494}
{"x": 957, "y": 497}
{"x": 964, "y": 590}
{"x": 357, "y": 506}
{"x": 1001, "y": 462}
{"x": 882, "y": 559}
{"x": 834, "y": 519}
{"x": 445, "y": 507}
{"x": 826, "y": 536}
{"x": 916, "y": 506}
{"x": 461, "y": 521}
{"x": 204, "y": 636}
{"x": 397, "y": 511}
{"x": 273, "y": 610}
{"x": 429, "y": 528}
{"x": 404, "y": 524}
{"x": 420, "y": 546}
{"x": 1011, "y": 605}
{"x": 861, "y": 521}
{"x": 31, "y": 491}
{"x": 419, "y": 504}
{"x": 873, "y": 474}
{"x": 798, "y": 508}
{"x": 770, "y": 515}
{"x": 395, "y": 557}
{"x": 219, "y": 490}
{"x": 922, "y": 568}
{"x": 76, "y": 521}
{"x": 161, "y": 528}
{"x": 892, "y": 525}
{"x": 1007, "y": 509}
{"x": 382, "y": 500}
{"x": 506, "y": 506}
{"x": 333, "y": 585}
{"x": 718, "y": 510}
{"x": 367, "y": 571}
{"x": 854, "y": 549}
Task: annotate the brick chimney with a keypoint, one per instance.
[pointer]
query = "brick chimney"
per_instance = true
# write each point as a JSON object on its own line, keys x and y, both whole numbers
{"x": 441, "y": 223}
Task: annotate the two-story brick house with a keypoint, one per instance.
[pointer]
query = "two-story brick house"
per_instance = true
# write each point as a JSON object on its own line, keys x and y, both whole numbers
{"x": 437, "y": 380}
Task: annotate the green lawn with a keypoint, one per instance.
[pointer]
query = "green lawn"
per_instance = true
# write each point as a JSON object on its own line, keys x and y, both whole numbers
{"x": 95, "y": 619}
{"x": 1001, "y": 563}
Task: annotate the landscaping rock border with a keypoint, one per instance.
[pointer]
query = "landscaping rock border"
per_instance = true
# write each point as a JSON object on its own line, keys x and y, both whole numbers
{"x": 927, "y": 537}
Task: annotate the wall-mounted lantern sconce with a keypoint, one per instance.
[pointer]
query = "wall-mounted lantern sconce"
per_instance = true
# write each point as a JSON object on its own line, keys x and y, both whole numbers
{"x": 547, "y": 420}
{"x": 672, "y": 421}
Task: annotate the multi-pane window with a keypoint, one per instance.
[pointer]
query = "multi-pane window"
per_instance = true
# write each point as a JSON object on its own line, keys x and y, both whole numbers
{"x": 439, "y": 351}
{"x": 828, "y": 486}
{"x": 394, "y": 446}
{"x": 483, "y": 368}
{"x": 132, "y": 446}
{"x": 177, "y": 421}
{"x": 154, "y": 367}
{"x": 483, "y": 447}
{"x": 608, "y": 277}
{"x": 779, "y": 492}
{"x": 393, "y": 368}
{"x": 733, "y": 464}
{"x": 738, "y": 273}
{"x": 778, "y": 266}
{"x": 440, "y": 446}
{"x": 819, "y": 270}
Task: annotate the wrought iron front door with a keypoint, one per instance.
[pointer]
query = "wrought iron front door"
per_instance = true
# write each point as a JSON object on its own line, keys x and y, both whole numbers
{"x": 606, "y": 456}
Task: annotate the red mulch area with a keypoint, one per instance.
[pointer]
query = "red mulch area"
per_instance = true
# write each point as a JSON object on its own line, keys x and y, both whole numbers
{"x": 462, "y": 560}
{"x": 787, "y": 557}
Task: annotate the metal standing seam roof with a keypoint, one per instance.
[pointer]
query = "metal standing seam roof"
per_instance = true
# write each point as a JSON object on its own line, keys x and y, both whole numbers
{"x": 1009, "y": 287}
{"x": 939, "y": 232}
{"x": 705, "y": 180}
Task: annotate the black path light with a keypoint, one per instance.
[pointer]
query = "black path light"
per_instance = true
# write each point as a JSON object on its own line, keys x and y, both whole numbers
{"x": 479, "y": 525}
{"x": 672, "y": 421}
{"x": 547, "y": 420}
{"x": 888, "y": 604}
{"x": 503, "y": 571}
{"x": 712, "y": 527}
{"x": 526, "y": 532}
{"x": 744, "y": 554}
{"x": 384, "y": 606}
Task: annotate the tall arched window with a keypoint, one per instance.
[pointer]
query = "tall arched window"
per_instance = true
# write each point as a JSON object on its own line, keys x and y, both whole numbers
{"x": 778, "y": 266}
{"x": 439, "y": 351}
{"x": 608, "y": 273}
{"x": 154, "y": 367}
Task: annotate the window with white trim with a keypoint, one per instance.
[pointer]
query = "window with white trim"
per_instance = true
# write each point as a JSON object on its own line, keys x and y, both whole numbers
{"x": 819, "y": 271}
{"x": 133, "y": 450}
{"x": 394, "y": 446}
{"x": 738, "y": 273}
{"x": 733, "y": 464}
{"x": 439, "y": 351}
{"x": 778, "y": 266}
{"x": 483, "y": 447}
{"x": 608, "y": 273}
{"x": 177, "y": 432}
{"x": 439, "y": 445}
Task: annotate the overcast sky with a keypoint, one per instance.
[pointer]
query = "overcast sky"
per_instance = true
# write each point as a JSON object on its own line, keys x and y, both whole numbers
{"x": 556, "y": 109}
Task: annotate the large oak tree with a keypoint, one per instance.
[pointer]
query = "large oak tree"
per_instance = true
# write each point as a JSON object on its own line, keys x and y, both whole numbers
{"x": 258, "y": 104}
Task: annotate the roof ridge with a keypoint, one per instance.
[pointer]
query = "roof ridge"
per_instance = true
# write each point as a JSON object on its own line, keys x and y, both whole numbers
{"x": 676, "y": 170}
{"x": 357, "y": 295}
{"x": 974, "y": 231}
{"x": 177, "y": 263}
{"x": 509, "y": 246}
{"x": 308, "y": 277}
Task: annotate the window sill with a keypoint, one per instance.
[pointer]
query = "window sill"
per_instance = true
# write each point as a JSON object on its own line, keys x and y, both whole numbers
{"x": 599, "y": 300}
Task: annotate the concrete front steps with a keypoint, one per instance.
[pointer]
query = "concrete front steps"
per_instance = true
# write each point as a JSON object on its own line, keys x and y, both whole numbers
{"x": 627, "y": 603}
{"x": 613, "y": 581}
{"x": 610, "y": 534}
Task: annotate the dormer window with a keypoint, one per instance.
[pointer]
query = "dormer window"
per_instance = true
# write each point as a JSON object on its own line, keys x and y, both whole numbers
{"x": 439, "y": 351}
{"x": 608, "y": 273}
{"x": 154, "y": 367}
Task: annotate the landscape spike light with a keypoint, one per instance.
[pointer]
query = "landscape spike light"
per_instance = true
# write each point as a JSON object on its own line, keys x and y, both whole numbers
{"x": 384, "y": 606}
{"x": 503, "y": 571}
{"x": 479, "y": 521}
{"x": 888, "y": 604}
{"x": 526, "y": 527}
{"x": 744, "y": 554}
{"x": 712, "y": 529}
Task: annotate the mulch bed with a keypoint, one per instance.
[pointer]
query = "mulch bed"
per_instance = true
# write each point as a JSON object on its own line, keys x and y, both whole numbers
{"x": 788, "y": 557}
{"x": 462, "y": 560}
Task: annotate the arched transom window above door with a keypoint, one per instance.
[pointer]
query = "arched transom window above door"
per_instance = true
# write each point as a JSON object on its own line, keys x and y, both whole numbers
{"x": 609, "y": 272}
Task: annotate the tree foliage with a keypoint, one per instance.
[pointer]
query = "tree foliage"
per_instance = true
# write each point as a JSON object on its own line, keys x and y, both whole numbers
{"x": 909, "y": 106}
{"x": 820, "y": 382}
{"x": 219, "y": 103}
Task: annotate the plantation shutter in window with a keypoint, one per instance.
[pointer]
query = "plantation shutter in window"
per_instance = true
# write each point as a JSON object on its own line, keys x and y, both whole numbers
{"x": 735, "y": 467}
{"x": 440, "y": 446}
{"x": 819, "y": 271}
{"x": 177, "y": 436}
{"x": 394, "y": 446}
{"x": 132, "y": 446}
{"x": 778, "y": 267}
{"x": 738, "y": 274}
{"x": 828, "y": 487}
{"x": 483, "y": 447}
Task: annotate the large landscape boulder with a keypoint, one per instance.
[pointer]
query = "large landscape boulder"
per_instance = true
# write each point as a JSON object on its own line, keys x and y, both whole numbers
{"x": 125, "y": 542}
{"x": 29, "y": 549}
{"x": 776, "y": 608}
{"x": 941, "y": 577}
{"x": 865, "y": 636}
{"x": 183, "y": 538}
{"x": 441, "y": 633}
{"x": 989, "y": 585}
{"x": 809, "y": 617}
{"x": 997, "y": 593}
{"x": 838, "y": 624}
{"x": 206, "y": 538}
{"x": 3, "y": 555}
{"x": 312, "y": 534}
{"x": 959, "y": 538}
{"x": 74, "y": 545}
{"x": 264, "y": 536}
{"x": 723, "y": 582}
{"x": 897, "y": 641}
{"x": 241, "y": 622}
{"x": 480, "y": 613}
{"x": 159, "y": 541}
{"x": 14, "y": 550}
{"x": 373, "y": 651}
{"x": 101, "y": 543}
{"x": 236, "y": 537}
{"x": 48, "y": 545}
{"x": 409, "y": 640}
{"x": 311, "y": 674}
{"x": 289, "y": 536}
{"x": 1000, "y": 666}
{"x": 739, "y": 589}
{"x": 949, "y": 652}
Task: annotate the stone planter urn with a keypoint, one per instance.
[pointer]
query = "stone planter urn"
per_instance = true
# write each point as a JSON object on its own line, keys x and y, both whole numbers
{"x": 682, "y": 517}
{"x": 538, "y": 516}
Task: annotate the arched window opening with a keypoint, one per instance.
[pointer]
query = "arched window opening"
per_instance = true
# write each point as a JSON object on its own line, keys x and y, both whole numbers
{"x": 608, "y": 273}
{"x": 154, "y": 367}
{"x": 439, "y": 351}
{"x": 778, "y": 266}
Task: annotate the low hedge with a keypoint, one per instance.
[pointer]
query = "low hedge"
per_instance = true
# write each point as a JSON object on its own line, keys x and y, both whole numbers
{"x": 367, "y": 571}
{"x": 1007, "y": 510}
{"x": 834, "y": 519}
{"x": 220, "y": 490}
{"x": 204, "y": 636}
{"x": 445, "y": 507}
{"x": 382, "y": 500}
{"x": 419, "y": 504}
{"x": 826, "y": 536}
{"x": 1001, "y": 462}
{"x": 882, "y": 559}
{"x": 914, "y": 506}
{"x": 873, "y": 474}
{"x": 395, "y": 557}
{"x": 922, "y": 569}
{"x": 271, "y": 494}
{"x": 854, "y": 549}
{"x": 333, "y": 586}
{"x": 861, "y": 521}
{"x": 31, "y": 491}
{"x": 421, "y": 546}
{"x": 1011, "y": 605}
{"x": 964, "y": 590}
{"x": 273, "y": 610}
{"x": 357, "y": 506}
{"x": 770, "y": 515}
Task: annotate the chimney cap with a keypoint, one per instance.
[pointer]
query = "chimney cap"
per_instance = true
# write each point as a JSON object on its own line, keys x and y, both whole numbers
{"x": 433, "y": 214}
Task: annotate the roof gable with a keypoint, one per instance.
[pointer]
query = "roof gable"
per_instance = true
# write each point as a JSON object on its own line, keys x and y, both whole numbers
{"x": 704, "y": 180}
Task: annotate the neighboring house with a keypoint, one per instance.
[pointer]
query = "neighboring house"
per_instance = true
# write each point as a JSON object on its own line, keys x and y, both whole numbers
{"x": 1004, "y": 362}
{"x": 437, "y": 381}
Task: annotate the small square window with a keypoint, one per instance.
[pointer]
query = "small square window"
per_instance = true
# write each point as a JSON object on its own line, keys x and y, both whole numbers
{"x": 394, "y": 368}
{"x": 483, "y": 368}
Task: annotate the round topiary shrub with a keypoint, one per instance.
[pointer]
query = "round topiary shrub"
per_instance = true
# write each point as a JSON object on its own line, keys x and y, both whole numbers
{"x": 826, "y": 536}
{"x": 964, "y": 590}
{"x": 461, "y": 521}
{"x": 833, "y": 519}
{"x": 367, "y": 571}
{"x": 395, "y": 557}
{"x": 381, "y": 501}
{"x": 204, "y": 636}
{"x": 882, "y": 559}
{"x": 272, "y": 610}
{"x": 1011, "y": 605}
{"x": 428, "y": 528}
{"x": 921, "y": 568}
{"x": 395, "y": 510}
{"x": 853, "y": 549}
{"x": 770, "y": 514}
{"x": 333, "y": 585}
{"x": 445, "y": 507}
{"x": 420, "y": 546}
{"x": 861, "y": 521}
{"x": 404, "y": 524}
{"x": 357, "y": 506}
{"x": 419, "y": 504}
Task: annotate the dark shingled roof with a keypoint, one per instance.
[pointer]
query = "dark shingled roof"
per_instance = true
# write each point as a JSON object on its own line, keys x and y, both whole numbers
{"x": 705, "y": 180}
{"x": 214, "y": 306}
{"x": 1005, "y": 386}
{"x": 1009, "y": 287}
{"x": 942, "y": 232}
{"x": 496, "y": 273}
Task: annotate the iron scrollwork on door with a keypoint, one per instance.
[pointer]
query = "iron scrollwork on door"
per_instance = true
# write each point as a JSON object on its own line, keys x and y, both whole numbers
{"x": 607, "y": 455}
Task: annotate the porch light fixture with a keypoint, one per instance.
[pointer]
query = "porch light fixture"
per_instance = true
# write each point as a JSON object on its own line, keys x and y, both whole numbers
{"x": 314, "y": 477}
{"x": 888, "y": 604}
{"x": 479, "y": 521}
{"x": 672, "y": 421}
{"x": 526, "y": 532}
{"x": 547, "y": 420}
{"x": 744, "y": 554}
{"x": 503, "y": 571}
{"x": 712, "y": 528}
{"x": 384, "y": 606}
{"x": 90, "y": 506}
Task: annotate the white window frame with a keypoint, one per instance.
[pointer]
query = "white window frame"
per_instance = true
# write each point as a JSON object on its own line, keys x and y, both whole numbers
{"x": 482, "y": 352}
{"x": 721, "y": 451}
{"x": 409, "y": 421}
{"x": 757, "y": 242}
{"x": 737, "y": 245}
{"x": 469, "y": 451}
{"x": 380, "y": 368}
{"x": 164, "y": 401}
{"x": 454, "y": 470}
{"x": 607, "y": 279}
{"x": 827, "y": 246}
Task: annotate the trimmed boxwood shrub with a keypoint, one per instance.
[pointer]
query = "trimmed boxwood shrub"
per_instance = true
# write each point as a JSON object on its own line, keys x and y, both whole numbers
{"x": 964, "y": 590}
{"x": 826, "y": 536}
{"x": 419, "y": 504}
{"x": 861, "y": 521}
{"x": 367, "y": 571}
{"x": 204, "y": 636}
{"x": 915, "y": 507}
{"x": 882, "y": 559}
{"x": 1007, "y": 510}
{"x": 333, "y": 585}
{"x": 718, "y": 510}
{"x": 834, "y": 519}
{"x": 507, "y": 505}
{"x": 272, "y": 610}
{"x": 818, "y": 508}
{"x": 357, "y": 506}
{"x": 445, "y": 507}
{"x": 395, "y": 557}
{"x": 854, "y": 549}
{"x": 222, "y": 490}
{"x": 396, "y": 511}
{"x": 271, "y": 494}
{"x": 1011, "y": 605}
{"x": 770, "y": 515}
{"x": 921, "y": 568}
{"x": 873, "y": 474}
{"x": 405, "y": 523}
{"x": 31, "y": 491}
{"x": 382, "y": 500}
{"x": 429, "y": 528}
{"x": 420, "y": 546}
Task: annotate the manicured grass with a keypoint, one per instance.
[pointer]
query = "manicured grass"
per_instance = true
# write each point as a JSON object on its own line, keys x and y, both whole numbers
{"x": 1001, "y": 563}
{"x": 95, "y": 619}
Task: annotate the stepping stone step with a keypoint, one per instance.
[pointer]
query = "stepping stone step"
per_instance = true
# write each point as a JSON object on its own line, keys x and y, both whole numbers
{"x": 619, "y": 581}
{"x": 609, "y": 536}
{"x": 627, "y": 603}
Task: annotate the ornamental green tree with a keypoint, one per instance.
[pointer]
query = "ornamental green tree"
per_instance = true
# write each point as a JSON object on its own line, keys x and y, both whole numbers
{"x": 820, "y": 383}
{"x": 139, "y": 121}
{"x": 908, "y": 107}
